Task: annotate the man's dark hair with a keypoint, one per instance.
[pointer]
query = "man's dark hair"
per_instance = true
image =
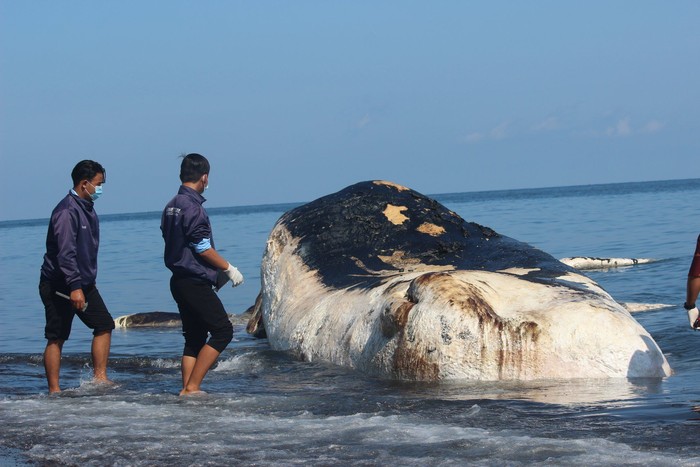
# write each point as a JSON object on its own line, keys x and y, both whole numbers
{"x": 86, "y": 170}
{"x": 193, "y": 167}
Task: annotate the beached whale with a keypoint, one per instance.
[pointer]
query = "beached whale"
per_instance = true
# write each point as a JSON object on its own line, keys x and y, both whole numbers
{"x": 380, "y": 278}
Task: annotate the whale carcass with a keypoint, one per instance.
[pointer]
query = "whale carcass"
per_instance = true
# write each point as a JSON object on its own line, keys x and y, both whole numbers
{"x": 382, "y": 279}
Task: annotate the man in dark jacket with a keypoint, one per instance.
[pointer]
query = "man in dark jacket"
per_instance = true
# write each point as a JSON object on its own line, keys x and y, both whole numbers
{"x": 197, "y": 270}
{"x": 69, "y": 272}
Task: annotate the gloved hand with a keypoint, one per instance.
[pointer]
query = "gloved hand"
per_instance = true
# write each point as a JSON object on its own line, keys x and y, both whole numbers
{"x": 693, "y": 316}
{"x": 233, "y": 274}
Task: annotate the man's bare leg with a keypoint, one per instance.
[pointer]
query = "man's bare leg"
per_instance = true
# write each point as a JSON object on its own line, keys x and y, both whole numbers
{"x": 52, "y": 364}
{"x": 187, "y": 367}
{"x": 100, "y": 353}
{"x": 205, "y": 359}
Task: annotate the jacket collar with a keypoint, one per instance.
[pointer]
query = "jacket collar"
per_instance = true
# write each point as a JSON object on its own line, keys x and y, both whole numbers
{"x": 88, "y": 205}
{"x": 194, "y": 194}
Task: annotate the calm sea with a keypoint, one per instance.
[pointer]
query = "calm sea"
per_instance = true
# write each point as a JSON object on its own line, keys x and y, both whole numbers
{"x": 265, "y": 408}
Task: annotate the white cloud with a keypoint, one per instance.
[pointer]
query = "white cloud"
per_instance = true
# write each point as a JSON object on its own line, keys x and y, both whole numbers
{"x": 474, "y": 137}
{"x": 621, "y": 128}
{"x": 500, "y": 132}
{"x": 653, "y": 126}
{"x": 364, "y": 121}
{"x": 549, "y": 124}
{"x": 497, "y": 133}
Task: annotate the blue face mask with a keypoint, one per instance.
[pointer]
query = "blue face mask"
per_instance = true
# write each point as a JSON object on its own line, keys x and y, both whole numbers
{"x": 97, "y": 193}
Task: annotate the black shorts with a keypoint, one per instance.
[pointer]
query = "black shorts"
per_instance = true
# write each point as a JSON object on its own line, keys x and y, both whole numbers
{"x": 202, "y": 313}
{"x": 60, "y": 312}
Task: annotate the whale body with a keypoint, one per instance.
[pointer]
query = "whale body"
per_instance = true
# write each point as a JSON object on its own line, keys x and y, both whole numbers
{"x": 380, "y": 278}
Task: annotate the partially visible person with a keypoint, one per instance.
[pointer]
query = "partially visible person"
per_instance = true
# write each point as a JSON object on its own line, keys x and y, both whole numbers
{"x": 692, "y": 289}
{"x": 198, "y": 269}
{"x": 69, "y": 273}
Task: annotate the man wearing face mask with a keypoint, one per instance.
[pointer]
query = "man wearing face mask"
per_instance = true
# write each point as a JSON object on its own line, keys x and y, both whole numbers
{"x": 68, "y": 274}
{"x": 198, "y": 269}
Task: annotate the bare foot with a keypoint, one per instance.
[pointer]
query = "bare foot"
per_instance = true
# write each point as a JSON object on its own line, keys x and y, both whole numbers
{"x": 103, "y": 381}
{"x": 185, "y": 392}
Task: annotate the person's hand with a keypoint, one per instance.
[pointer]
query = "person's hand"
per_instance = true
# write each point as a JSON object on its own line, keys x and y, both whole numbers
{"x": 233, "y": 274}
{"x": 693, "y": 314}
{"x": 78, "y": 300}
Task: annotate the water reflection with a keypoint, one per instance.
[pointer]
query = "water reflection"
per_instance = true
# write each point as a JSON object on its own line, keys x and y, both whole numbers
{"x": 560, "y": 392}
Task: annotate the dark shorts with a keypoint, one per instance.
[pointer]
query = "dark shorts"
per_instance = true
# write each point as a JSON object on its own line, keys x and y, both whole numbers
{"x": 202, "y": 313}
{"x": 60, "y": 312}
{"x": 695, "y": 265}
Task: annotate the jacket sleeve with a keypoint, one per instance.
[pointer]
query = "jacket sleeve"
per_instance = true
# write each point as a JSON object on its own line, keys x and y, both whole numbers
{"x": 197, "y": 226}
{"x": 66, "y": 232}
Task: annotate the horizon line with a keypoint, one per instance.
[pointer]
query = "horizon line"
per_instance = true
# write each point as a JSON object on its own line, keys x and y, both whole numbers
{"x": 432, "y": 195}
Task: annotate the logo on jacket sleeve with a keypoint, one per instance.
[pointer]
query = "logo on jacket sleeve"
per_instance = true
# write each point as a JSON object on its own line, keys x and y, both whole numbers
{"x": 172, "y": 211}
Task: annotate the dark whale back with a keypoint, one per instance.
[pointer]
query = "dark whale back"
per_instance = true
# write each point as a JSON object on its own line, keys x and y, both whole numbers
{"x": 343, "y": 236}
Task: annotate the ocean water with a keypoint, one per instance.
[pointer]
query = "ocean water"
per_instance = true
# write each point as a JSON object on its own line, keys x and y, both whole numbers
{"x": 265, "y": 407}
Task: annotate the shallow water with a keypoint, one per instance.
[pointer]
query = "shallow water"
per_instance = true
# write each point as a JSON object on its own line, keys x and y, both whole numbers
{"x": 265, "y": 407}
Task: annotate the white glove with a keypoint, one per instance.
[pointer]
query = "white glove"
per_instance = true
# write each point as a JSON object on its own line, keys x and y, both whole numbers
{"x": 233, "y": 274}
{"x": 693, "y": 318}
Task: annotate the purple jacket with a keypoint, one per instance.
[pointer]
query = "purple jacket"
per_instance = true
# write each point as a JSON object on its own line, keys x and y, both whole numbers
{"x": 72, "y": 241}
{"x": 185, "y": 222}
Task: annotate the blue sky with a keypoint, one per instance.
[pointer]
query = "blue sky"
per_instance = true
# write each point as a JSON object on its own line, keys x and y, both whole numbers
{"x": 292, "y": 100}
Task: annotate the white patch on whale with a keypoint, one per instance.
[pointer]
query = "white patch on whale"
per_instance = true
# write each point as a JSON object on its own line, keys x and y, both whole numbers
{"x": 641, "y": 307}
{"x": 588, "y": 263}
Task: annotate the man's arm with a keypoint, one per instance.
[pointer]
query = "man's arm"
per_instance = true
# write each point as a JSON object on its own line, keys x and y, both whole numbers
{"x": 199, "y": 231}
{"x": 692, "y": 290}
{"x": 66, "y": 231}
{"x": 213, "y": 257}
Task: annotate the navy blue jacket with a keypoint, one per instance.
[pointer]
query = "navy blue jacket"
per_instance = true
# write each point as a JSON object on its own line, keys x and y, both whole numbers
{"x": 72, "y": 241}
{"x": 185, "y": 223}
